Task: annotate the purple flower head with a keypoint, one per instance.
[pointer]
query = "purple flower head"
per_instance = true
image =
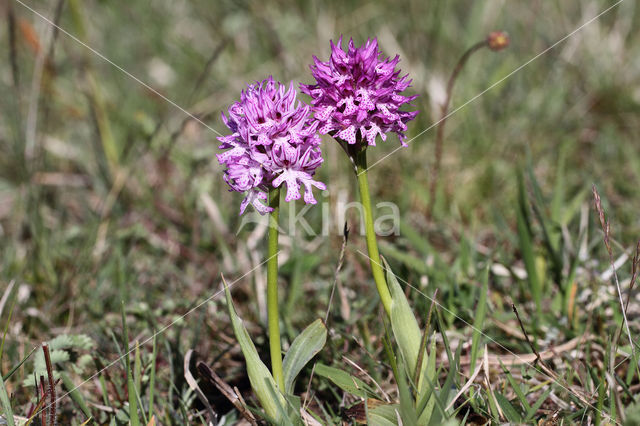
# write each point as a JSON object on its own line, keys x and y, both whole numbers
{"x": 273, "y": 141}
{"x": 357, "y": 94}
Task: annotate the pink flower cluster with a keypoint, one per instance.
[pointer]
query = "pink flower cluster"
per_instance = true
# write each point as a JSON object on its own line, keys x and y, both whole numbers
{"x": 273, "y": 141}
{"x": 357, "y": 95}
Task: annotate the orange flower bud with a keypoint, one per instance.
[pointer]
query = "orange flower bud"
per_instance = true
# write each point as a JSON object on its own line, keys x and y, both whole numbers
{"x": 497, "y": 40}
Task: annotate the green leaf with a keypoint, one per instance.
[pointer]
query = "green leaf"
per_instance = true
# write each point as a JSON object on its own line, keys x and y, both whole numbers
{"x": 305, "y": 346}
{"x": 526, "y": 245}
{"x": 415, "y": 238}
{"x": 428, "y": 394}
{"x": 62, "y": 348}
{"x": 516, "y": 388}
{"x": 133, "y": 401}
{"x": 75, "y": 394}
{"x": 152, "y": 376}
{"x": 409, "y": 260}
{"x": 288, "y": 415}
{"x": 404, "y": 325}
{"x": 18, "y": 365}
{"x": 492, "y": 405}
{"x": 510, "y": 413}
{"x": 478, "y": 323}
{"x": 345, "y": 381}
{"x": 72, "y": 341}
{"x": 531, "y": 412}
{"x": 407, "y": 410}
{"x": 293, "y": 409}
{"x": 573, "y": 206}
{"x": 261, "y": 379}
{"x": 8, "y": 291}
{"x": 383, "y": 415}
{"x": 559, "y": 188}
{"x": 439, "y": 399}
{"x": 6, "y": 404}
{"x": 137, "y": 367}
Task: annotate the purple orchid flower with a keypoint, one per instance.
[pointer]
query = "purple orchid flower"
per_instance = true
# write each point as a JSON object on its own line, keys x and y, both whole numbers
{"x": 357, "y": 95}
{"x": 274, "y": 140}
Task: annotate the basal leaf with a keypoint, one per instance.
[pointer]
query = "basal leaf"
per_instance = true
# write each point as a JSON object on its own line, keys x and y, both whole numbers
{"x": 305, "y": 346}
{"x": 345, "y": 381}
{"x": 404, "y": 325}
{"x": 383, "y": 415}
{"x": 261, "y": 380}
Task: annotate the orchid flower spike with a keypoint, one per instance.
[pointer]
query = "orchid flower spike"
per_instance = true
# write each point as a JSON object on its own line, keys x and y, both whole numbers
{"x": 273, "y": 141}
{"x": 357, "y": 94}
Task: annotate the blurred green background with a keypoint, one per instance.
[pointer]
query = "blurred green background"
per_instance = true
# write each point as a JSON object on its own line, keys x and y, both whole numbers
{"x": 108, "y": 192}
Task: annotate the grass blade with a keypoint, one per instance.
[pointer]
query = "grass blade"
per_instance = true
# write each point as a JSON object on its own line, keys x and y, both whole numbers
{"x": 481, "y": 312}
{"x": 507, "y": 408}
{"x": 133, "y": 400}
{"x": 137, "y": 366}
{"x": 516, "y": 388}
{"x": 6, "y": 404}
{"x": 18, "y": 365}
{"x": 6, "y": 328}
{"x": 152, "y": 376}
{"x": 532, "y": 410}
{"x": 526, "y": 246}
{"x": 75, "y": 394}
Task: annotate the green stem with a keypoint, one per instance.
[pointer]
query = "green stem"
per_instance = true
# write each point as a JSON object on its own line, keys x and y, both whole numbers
{"x": 372, "y": 244}
{"x": 272, "y": 290}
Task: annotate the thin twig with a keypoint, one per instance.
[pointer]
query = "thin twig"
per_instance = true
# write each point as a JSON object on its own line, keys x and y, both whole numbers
{"x": 606, "y": 228}
{"x": 56, "y": 31}
{"x": 233, "y": 396}
{"x": 435, "y": 171}
{"x": 207, "y": 68}
{"x": 496, "y": 41}
{"x": 308, "y": 392}
{"x": 345, "y": 239}
{"x": 614, "y": 394}
{"x": 423, "y": 343}
{"x": 526, "y": 335}
{"x": 52, "y": 385}
{"x": 466, "y": 386}
{"x": 13, "y": 50}
{"x": 246, "y": 413}
{"x": 47, "y": 409}
{"x": 35, "y": 381}
{"x": 514, "y": 359}
{"x": 34, "y": 97}
{"x": 37, "y": 407}
{"x": 193, "y": 385}
{"x": 368, "y": 376}
{"x": 634, "y": 274}
{"x": 581, "y": 395}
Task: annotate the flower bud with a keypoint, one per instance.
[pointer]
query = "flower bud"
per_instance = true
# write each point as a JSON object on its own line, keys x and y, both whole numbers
{"x": 497, "y": 40}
